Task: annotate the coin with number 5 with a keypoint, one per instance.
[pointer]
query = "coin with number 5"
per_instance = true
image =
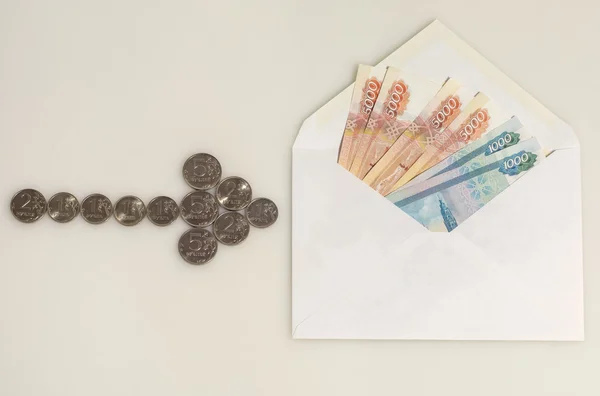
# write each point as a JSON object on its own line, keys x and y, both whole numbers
{"x": 202, "y": 171}
{"x": 199, "y": 209}
{"x": 197, "y": 246}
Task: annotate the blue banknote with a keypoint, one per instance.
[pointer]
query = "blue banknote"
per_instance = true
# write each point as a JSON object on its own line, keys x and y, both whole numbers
{"x": 442, "y": 202}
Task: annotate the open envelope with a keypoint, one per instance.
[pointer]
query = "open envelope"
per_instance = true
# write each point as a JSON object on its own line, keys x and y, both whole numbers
{"x": 362, "y": 268}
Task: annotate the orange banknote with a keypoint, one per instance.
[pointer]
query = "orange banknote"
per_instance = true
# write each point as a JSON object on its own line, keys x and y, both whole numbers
{"x": 445, "y": 106}
{"x": 365, "y": 93}
{"x": 480, "y": 116}
{"x": 403, "y": 95}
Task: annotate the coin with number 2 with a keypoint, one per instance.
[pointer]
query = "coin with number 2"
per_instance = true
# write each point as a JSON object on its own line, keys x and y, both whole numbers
{"x": 28, "y": 206}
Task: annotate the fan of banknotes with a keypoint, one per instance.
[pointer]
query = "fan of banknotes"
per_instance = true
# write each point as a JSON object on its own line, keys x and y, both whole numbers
{"x": 440, "y": 153}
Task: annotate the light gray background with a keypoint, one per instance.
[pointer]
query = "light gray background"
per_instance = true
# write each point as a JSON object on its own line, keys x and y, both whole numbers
{"x": 112, "y": 96}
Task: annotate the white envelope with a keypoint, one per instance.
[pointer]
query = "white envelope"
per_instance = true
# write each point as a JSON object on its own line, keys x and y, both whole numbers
{"x": 362, "y": 268}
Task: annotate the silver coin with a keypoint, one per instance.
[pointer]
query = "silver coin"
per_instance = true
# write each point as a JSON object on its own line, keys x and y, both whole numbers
{"x": 162, "y": 211}
{"x": 130, "y": 210}
{"x": 231, "y": 228}
{"x": 202, "y": 171}
{"x": 199, "y": 209}
{"x": 28, "y": 205}
{"x": 197, "y": 246}
{"x": 96, "y": 208}
{"x": 63, "y": 207}
{"x": 234, "y": 193}
{"x": 262, "y": 212}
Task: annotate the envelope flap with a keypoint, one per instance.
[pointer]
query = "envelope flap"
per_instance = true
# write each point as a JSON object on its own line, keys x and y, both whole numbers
{"x": 437, "y": 53}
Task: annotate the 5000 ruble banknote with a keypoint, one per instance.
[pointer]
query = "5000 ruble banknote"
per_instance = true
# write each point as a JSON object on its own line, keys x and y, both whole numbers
{"x": 403, "y": 95}
{"x": 446, "y": 105}
{"x": 365, "y": 93}
{"x": 500, "y": 138}
{"x": 480, "y": 116}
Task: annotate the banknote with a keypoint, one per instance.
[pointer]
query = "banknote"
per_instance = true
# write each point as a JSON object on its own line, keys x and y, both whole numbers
{"x": 479, "y": 116}
{"x": 466, "y": 164}
{"x": 502, "y": 137}
{"x": 365, "y": 93}
{"x": 437, "y": 115}
{"x": 403, "y": 95}
{"x": 445, "y": 201}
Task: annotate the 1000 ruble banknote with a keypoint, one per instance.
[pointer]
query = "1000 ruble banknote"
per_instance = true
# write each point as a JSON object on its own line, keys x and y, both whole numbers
{"x": 365, "y": 93}
{"x": 500, "y": 138}
{"x": 479, "y": 116}
{"x": 444, "y": 201}
{"x": 401, "y": 98}
{"x": 446, "y": 105}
